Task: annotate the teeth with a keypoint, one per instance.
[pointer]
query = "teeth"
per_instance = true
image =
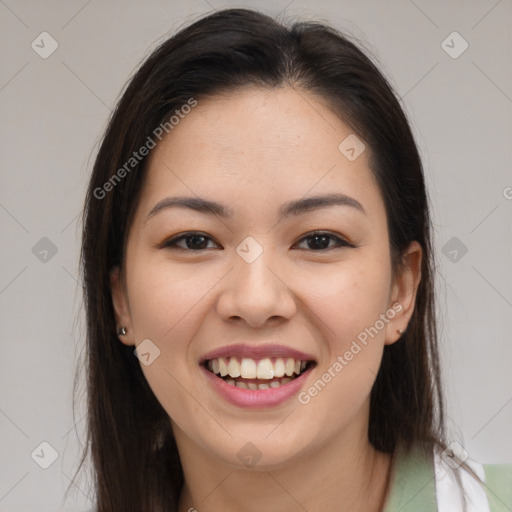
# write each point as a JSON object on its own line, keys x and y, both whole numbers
{"x": 234, "y": 367}
{"x": 279, "y": 367}
{"x": 289, "y": 367}
{"x": 254, "y": 386}
{"x": 248, "y": 368}
{"x": 223, "y": 367}
{"x": 265, "y": 369}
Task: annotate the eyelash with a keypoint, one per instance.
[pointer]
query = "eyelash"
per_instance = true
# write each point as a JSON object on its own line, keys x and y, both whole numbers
{"x": 172, "y": 242}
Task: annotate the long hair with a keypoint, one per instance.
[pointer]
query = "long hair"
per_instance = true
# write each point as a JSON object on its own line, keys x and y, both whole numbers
{"x": 134, "y": 455}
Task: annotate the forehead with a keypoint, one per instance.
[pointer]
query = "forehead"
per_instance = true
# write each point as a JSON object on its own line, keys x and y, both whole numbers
{"x": 276, "y": 142}
{"x": 260, "y": 122}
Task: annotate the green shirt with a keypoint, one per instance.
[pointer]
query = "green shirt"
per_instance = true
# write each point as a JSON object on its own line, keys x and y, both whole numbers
{"x": 420, "y": 484}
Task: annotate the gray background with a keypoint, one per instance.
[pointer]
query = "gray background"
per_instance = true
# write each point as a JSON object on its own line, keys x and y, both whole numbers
{"x": 54, "y": 111}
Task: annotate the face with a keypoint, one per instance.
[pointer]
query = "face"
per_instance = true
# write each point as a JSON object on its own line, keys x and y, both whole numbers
{"x": 248, "y": 277}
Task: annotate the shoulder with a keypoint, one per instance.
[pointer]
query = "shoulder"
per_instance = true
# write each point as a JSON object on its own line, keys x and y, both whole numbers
{"x": 498, "y": 486}
{"x": 441, "y": 483}
{"x": 488, "y": 489}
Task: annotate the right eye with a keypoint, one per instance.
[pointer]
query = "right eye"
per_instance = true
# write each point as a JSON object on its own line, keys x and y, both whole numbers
{"x": 193, "y": 241}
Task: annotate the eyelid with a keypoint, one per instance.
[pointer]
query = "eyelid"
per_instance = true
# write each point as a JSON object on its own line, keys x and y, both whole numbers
{"x": 170, "y": 243}
{"x": 340, "y": 241}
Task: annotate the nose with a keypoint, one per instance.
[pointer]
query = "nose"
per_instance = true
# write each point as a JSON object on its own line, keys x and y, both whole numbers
{"x": 255, "y": 293}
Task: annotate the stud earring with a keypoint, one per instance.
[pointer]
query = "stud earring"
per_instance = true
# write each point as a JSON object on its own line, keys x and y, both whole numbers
{"x": 399, "y": 331}
{"x": 122, "y": 332}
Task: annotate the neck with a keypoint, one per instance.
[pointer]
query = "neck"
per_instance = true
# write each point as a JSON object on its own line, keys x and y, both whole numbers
{"x": 356, "y": 479}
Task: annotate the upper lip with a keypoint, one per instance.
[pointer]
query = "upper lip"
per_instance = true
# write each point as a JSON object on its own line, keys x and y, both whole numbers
{"x": 256, "y": 352}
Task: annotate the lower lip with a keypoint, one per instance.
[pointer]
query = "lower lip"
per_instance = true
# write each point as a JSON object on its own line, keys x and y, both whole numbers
{"x": 256, "y": 398}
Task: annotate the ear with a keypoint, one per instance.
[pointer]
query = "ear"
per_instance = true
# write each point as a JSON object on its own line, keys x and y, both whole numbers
{"x": 120, "y": 303}
{"x": 403, "y": 295}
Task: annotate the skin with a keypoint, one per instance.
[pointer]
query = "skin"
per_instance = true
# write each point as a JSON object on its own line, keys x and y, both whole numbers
{"x": 253, "y": 151}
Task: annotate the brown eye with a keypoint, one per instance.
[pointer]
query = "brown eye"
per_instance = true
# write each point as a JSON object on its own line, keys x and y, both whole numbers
{"x": 196, "y": 241}
{"x": 192, "y": 241}
{"x": 320, "y": 241}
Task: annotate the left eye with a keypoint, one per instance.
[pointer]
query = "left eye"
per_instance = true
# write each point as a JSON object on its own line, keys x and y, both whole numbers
{"x": 320, "y": 241}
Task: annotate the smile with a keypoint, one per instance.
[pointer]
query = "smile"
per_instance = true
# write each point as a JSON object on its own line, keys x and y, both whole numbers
{"x": 261, "y": 381}
{"x": 256, "y": 374}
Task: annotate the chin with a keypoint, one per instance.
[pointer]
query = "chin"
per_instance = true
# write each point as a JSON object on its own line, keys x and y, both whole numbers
{"x": 258, "y": 452}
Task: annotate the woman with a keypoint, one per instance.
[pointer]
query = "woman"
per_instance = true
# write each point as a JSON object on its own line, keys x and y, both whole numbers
{"x": 258, "y": 273}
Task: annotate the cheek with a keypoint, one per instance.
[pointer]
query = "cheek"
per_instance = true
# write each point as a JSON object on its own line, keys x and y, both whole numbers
{"x": 347, "y": 308}
{"x": 165, "y": 299}
{"x": 167, "y": 304}
{"x": 349, "y": 301}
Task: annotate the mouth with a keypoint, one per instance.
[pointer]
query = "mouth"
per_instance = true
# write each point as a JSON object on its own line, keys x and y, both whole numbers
{"x": 256, "y": 374}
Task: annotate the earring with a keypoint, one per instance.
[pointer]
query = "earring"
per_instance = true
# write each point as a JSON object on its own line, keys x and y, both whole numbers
{"x": 399, "y": 331}
{"x": 122, "y": 332}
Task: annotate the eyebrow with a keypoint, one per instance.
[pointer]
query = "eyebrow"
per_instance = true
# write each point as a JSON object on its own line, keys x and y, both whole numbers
{"x": 295, "y": 208}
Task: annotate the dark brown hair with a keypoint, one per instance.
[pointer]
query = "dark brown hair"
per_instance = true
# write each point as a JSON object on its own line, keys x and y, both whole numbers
{"x": 135, "y": 458}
